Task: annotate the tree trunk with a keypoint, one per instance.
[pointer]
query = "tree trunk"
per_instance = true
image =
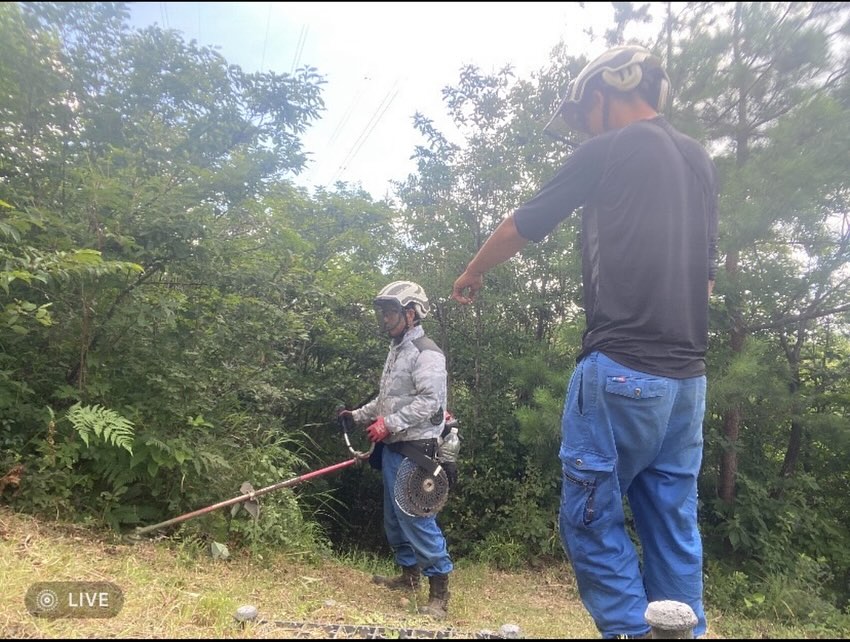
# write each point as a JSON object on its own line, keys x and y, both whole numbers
{"x": 795, "y": 438}
{"x": 792, "y": 454}
{"x": 733, "y": 417}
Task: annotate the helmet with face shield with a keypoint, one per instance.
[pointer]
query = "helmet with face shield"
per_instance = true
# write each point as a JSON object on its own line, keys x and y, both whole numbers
{"x": 396, "y": 297}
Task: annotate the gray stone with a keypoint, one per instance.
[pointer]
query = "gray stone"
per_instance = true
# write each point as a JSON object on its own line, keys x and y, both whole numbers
{"x": 670, "y": 619}
{"x": 510, "y": 631}
{"x": 246, "y": 613}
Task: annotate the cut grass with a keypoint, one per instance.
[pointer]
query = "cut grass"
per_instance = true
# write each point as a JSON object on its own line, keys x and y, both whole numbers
{"x": 173, "y": 591}
{"x": 176, "y": 590}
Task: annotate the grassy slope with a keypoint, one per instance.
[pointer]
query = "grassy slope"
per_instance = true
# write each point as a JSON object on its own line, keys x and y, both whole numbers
{"x": 172, "y": 591}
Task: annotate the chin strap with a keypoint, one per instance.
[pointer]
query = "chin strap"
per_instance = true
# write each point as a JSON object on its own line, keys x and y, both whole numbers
{"x": 606, "y": 107}
{"x": 397, "y": 340}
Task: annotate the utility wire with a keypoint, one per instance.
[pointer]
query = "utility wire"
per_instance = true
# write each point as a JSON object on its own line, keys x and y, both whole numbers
{"x": 266, "y": 40}
{"x": 341, "y": 125}
{"x": 360, "y": 146}
{"x": 344, "y": 120}
{"x": 361, "y": 140}
{"x": 299, "y": 48}
{"x": 367, "y": 131}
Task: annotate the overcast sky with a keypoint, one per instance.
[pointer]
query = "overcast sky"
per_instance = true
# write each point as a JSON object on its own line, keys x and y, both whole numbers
{"x": 382, "y": 63}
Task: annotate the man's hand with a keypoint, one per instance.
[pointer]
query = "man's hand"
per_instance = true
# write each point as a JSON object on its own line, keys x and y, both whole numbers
{"x": 377, "y": 431}
{"x": 504, "y": 242}
{"x": 344, "y": 418}
{"x": 467, "y": 281}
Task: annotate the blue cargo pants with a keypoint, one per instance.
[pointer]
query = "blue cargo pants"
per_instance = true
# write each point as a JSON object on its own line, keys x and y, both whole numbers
{"x": 628, "y": 433}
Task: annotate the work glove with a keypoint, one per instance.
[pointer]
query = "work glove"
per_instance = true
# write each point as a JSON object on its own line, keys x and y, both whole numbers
{"x": 377, "y": 431}
{"x": 451, "y": 472}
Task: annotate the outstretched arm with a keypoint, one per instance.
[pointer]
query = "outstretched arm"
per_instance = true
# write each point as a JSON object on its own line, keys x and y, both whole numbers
{"x": 503, "y": 243}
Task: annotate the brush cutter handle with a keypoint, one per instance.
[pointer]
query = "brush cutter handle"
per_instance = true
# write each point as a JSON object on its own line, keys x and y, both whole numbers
{"x": 346, "y": 422}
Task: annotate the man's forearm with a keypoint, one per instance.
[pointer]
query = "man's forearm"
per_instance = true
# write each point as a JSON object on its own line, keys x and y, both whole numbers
{"x": 503, "y": 243}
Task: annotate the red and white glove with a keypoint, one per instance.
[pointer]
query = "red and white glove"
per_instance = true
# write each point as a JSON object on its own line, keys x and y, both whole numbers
{"x": 377, "y": 431}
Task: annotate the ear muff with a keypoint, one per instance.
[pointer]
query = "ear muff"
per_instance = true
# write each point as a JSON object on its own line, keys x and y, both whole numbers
{"x": 663, "y": 94}
{"x": 623, "y": 79}
{"x": 656, "y": 85}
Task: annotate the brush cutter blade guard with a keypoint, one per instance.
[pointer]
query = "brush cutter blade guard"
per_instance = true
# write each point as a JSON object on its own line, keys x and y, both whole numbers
{"x": 252, "y": 505}
{"x": 418, "y": 493}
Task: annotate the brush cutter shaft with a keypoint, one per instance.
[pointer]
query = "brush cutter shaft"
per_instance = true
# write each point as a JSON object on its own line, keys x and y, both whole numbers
{"x": 251, "y": 495}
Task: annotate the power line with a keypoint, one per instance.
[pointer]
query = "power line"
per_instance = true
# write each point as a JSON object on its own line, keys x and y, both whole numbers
{"x": 364, "y": 135}
{"x": 266, "y": 40}
{"x": 348, "y": 112}
{"x": 299, "y": 48}
{"x": 341, "y": 125}
{"x": 367, "y": 131}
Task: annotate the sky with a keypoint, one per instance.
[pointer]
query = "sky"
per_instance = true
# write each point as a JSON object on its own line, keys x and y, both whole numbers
{"x": 382, "y": 62}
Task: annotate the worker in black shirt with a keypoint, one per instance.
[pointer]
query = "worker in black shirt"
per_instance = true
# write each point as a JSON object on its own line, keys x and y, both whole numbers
{"x": 632, "y": 422}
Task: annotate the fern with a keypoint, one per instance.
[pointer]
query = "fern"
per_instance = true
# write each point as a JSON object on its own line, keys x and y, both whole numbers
{"x": 104, "y": 423}
{"x": 117, "y": 472}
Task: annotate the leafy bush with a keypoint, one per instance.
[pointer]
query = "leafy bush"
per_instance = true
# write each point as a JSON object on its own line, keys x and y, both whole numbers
{"x": 794, "y": 597}
{"x": 501, "y": 552}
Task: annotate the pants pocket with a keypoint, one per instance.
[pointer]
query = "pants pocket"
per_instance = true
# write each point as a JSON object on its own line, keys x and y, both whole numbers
{"x": 635, "y": 387}
{"x": 588, "y": 487}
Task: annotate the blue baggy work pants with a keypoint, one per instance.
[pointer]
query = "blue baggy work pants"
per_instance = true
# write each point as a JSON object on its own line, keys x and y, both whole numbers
{"x": 624, "y": 432}
{"x": 414, "y": 540}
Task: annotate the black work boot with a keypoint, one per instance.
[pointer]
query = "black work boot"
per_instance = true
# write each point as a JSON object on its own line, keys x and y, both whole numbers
{"x": 407, "y": 581}
{"x": 438, "y": 597}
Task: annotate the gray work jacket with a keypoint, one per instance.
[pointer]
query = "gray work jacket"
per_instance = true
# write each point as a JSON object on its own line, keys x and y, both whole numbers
{"x": 413, "y": 390}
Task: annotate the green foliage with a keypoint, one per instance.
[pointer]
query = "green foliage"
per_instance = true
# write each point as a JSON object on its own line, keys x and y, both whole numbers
{"x": 502, "y": 552}
{"x": 155, "y": 258}
{"x": 764, "y": 526}
{"x": 282, "y": 523}
{"x": 794, "y": 596}
{"x": 507, "y": 381}
{"x": 103, "y": 423}
{"x": 281, "y": 526}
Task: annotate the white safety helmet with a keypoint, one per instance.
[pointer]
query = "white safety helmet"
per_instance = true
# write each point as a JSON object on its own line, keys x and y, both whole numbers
{"x": 624, "y": 69}
{"x": 405, "y": 294}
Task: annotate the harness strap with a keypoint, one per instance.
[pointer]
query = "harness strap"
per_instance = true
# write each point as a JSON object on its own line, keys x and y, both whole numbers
{"x": 418, "y": 450}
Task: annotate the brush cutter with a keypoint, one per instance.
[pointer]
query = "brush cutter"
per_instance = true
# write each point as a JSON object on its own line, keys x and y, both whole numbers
{"x": 248, "y": 498}
{"x": 422, "y": 483}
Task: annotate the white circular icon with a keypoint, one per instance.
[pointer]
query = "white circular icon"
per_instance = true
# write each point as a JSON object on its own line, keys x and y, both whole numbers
{"x": 46, "y": 600}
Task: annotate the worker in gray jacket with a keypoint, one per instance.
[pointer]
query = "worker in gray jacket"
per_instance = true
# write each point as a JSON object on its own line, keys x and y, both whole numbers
{"x": 410, "y": 409}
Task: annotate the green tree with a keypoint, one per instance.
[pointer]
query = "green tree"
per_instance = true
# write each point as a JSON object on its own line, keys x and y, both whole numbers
{"x": 765, "y": 87}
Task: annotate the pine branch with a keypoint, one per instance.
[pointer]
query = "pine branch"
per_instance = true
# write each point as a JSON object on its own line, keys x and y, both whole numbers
{"x": 789, "y": 320}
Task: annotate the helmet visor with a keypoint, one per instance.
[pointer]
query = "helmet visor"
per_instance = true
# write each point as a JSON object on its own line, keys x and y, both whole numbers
{"x": 569, "y": 122}
{"x": 388, "y": 314}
